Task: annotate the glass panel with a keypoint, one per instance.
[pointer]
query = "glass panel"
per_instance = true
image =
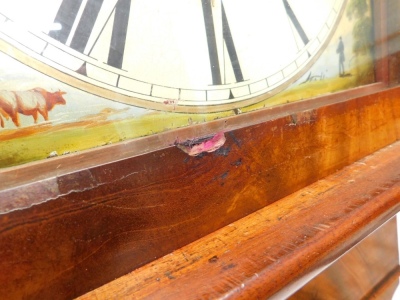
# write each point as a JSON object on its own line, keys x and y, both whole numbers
{"x": 81, "y": 74}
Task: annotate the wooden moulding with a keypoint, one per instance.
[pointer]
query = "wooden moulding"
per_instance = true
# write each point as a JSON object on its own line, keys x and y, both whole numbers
{"x": 370, "y": 270}
{"x": 64, "y": 234}
{"x": 274, "y": 251}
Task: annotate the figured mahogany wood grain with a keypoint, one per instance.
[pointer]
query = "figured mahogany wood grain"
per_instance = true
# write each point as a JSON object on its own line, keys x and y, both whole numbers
{"x": 368, "y": 271}
{"x": 31, "y": 173}
{"x": 65, "y": 234}
{"x": 273, "y": 251}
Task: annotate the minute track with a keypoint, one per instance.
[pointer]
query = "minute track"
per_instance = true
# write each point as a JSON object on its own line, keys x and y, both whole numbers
{"x": 111, "y": 72}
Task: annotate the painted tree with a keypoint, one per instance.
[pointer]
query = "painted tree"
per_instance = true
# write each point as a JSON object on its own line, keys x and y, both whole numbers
{"x": 362, "y": 31}
{"x": 363, "y": 40}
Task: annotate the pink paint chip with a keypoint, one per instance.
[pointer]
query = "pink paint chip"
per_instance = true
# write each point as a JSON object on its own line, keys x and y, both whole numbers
{"x": 197, "y": 146}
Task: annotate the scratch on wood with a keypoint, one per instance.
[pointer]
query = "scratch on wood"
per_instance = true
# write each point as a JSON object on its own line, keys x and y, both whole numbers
{"x": 54, "y": 188}
{"x": 213, "y": 259}
{"x": 235, "y": 139}
{"x": 169, "y": 275}
{"x": 223, "y": 151}
{"x": 305, "y": 117}
{"x": 237, "y": 163}
{"x": 227, "y": 267}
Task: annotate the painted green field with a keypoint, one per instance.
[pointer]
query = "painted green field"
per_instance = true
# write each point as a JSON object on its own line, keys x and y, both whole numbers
{"x": 18, "y": 146}
{"x": 353, "y": 78}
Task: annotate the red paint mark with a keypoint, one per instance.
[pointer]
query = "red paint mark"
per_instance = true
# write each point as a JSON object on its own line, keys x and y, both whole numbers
{"x": 166, "y": 102}
{"x": 171, "y": 102}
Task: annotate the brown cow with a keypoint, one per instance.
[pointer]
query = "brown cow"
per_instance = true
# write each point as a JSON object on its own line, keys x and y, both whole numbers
{"x": 28, "y": 103}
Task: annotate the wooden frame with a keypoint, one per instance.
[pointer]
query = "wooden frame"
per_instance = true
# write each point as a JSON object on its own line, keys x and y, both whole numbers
{"x": 70, "y": 224}
{"x": 273, "y": 252}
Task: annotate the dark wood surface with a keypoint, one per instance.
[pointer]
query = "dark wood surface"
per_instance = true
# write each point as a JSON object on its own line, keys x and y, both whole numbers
{"x": 274, "y": 251}
{"x": 370, "y": 270}
{"x": 69, "y": 233}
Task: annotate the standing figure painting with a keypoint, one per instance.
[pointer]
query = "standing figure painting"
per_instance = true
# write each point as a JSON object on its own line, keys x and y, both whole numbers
{"x": 340, "y": 51}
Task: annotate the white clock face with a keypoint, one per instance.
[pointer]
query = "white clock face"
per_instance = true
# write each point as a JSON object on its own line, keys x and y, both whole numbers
{"x": 200, "y": 55}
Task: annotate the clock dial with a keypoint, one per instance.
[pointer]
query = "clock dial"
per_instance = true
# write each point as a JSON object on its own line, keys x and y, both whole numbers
{"x": 200, "y": 55}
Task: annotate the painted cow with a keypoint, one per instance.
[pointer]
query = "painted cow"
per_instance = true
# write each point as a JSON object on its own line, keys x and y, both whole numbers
{"x": 4, "y": 114}
{"x": 28, "y": 103}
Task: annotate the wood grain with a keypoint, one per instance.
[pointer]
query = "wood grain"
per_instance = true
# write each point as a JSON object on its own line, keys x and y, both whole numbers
{"x": 65, "y": 234}
{"x": 271, "y": 253}
{"x": 33, "y": 172}
{"x": 368, "y": 271}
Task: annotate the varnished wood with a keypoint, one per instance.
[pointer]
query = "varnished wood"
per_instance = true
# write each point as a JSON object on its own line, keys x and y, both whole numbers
{"x": 271, "y": 253}
{"x": 33, "y": 172}
{"x": 368, "y": 271}
{"x": 73, "y": 223}
{"x": 99, "y": 223}
{"x": 387, "y": 288}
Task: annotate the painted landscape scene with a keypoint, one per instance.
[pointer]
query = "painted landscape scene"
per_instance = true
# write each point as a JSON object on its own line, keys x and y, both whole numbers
{"x": 41, "y": 117}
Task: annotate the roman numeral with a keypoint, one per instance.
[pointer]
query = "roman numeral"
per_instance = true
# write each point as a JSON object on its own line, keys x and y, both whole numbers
{"x": 86, "y": 24}
{"x": 118, "y": 37}
{"x": 67, "y": 15}
{"x": 212, "y": 44}
{"x": 295, "y": 22}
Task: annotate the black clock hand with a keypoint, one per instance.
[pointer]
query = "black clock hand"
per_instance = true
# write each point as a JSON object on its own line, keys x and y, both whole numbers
{"x": 212, "y": 44}
{"x": 295, "y": 22}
